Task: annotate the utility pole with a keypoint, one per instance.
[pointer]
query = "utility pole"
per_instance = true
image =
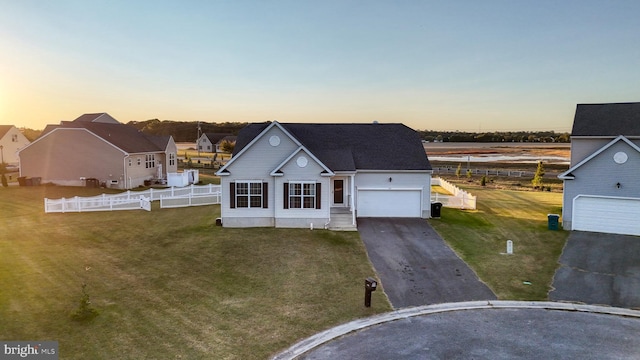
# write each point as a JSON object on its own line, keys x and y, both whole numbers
{"x": 198, "y": 139}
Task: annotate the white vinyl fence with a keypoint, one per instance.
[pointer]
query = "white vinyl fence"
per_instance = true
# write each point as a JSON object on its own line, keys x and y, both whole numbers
{"x": 460, "y": 198}
{"x": 193, "y": 195}
{"x": 191, "y": 200}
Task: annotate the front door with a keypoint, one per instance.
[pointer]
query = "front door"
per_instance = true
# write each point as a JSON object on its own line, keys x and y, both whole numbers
{"x": 338, "y": 191}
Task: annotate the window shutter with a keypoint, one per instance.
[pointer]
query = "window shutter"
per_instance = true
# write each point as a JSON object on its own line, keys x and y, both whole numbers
{"x": 286, "y": 196}
{"x": 265, "y": 195}
{"x": 318, "y": 196}
{"x": 232, "y": 195}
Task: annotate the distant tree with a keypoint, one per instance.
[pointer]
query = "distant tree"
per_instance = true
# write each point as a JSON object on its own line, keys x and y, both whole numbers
{"x": 564, "y": 138}
{"x": 459, "y": 170}
{"x": 228, "y": 146}
{"x": 30, "y": 134}
{"x": 538, "y": 177}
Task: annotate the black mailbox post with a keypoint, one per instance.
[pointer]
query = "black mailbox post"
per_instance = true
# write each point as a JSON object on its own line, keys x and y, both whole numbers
{"x": 370, "y": 285}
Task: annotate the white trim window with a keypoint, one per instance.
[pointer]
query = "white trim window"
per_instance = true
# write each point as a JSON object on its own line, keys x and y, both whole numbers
{"x": 302, "y": 195}
{"x": 248, "y": 194}
{"x": 172, "y": 159}
{"x": 150, "y": 161}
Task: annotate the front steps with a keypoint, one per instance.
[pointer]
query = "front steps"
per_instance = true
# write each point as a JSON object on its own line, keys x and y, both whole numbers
{"x": 341, "y": 220}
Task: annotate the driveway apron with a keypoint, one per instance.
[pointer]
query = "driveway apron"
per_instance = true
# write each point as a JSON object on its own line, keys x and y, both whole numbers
{"x": 415, "y": 266}
{"x": 597, "y": 268}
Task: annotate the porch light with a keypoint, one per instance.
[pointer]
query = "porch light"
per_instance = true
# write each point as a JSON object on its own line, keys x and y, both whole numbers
{"x": 390, "y": 179}
{"x": 618, "y": 185}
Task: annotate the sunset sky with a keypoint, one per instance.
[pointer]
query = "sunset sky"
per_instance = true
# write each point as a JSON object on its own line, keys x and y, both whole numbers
{"x": 440, "y": 65}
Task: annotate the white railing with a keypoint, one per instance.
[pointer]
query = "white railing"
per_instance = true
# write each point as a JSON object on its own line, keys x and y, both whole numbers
{"x": 487, "y": 172}
{"x": 97, "y": 203}
{"x": 191, "y": 200}
{"x": 134, "y": 200}
{"x": 460, "y": 198}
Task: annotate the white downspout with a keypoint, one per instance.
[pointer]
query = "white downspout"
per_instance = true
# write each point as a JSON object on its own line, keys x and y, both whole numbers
{"x": 352, "y": 199}
{"x": 125, "y": 172}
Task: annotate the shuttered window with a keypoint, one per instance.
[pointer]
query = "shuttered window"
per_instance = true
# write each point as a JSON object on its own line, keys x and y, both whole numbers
{"x": 248, "y": 194}
{"x": 302, "y": 195}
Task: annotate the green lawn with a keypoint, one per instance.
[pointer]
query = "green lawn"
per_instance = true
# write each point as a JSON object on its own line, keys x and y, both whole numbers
{"x": 480, "y": 236}
{"x": 169, "y": 284}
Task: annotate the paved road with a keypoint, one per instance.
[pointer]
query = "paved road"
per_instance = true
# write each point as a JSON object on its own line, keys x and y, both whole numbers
{"x": 415, "y": 266}
{"x": 598, "y": 268}
{"x": 500, "y": 330}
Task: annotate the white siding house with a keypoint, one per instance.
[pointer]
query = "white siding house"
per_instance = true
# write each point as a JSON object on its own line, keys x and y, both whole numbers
{"x": 324, "y": 175}
{"x": 601, "y": 187}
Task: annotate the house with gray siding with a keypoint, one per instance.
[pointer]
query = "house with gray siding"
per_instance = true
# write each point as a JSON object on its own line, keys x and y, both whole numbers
{"x": 324, "y": 175}
{"x": 601, "y": 187}
{"x": 212, "y": 142}
{"x": 97, "y": 146}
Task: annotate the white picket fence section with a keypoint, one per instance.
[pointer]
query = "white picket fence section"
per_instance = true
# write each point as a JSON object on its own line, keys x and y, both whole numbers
{"x": 96, "y": 203}
{"x": 192, "y": 195}
{"x": 191, "y": 200}
{"x": 460, "y": 198}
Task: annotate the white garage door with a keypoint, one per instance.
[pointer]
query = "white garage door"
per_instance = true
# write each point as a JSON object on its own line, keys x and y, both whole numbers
{"x": 606, "y": 214}
{"x": 389, "y": 203}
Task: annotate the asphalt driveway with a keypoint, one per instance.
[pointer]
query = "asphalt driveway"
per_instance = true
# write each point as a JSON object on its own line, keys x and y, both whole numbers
{"x": 598, "y": 268}
{"x": 415, "y": 266}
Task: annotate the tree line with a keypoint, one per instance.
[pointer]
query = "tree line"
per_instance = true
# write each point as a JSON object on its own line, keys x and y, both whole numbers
{"x": 187, "y": 131}
{"x": 506, "y": 136}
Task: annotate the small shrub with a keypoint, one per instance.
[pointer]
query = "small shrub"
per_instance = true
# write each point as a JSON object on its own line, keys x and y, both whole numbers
{"x": 483, "y": 181}
{"x": 84, "y": 312}
{"x": 459, "y": 170}
{"x": 538, "y": 177}
{"x": 4, "y": 181}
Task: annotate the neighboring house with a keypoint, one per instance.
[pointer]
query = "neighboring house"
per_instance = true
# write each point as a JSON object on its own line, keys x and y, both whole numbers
{"x": 97, "y": 146}
{"x": 324, "y": 175}
{"x": 211, "y": 142}
{"x": 602, "y": 187}
{"x": 11, "y": 140}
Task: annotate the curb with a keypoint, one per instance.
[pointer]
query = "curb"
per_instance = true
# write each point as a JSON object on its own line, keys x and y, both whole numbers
{"x": 323, "y": 337}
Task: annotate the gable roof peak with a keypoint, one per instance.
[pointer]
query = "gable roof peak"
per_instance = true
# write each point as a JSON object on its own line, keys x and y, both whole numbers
{"x": 97, "y": 117}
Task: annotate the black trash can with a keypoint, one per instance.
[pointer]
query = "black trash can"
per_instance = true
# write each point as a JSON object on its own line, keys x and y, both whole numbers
{"x": 435, "y": 210}
{"x": 552, "y": 221}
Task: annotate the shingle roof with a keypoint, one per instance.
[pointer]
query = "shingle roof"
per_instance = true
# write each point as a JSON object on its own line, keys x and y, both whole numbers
{"x": 347, "y": 147}
{"x": 97, "y": 117}
{"x": 124, "y": 137}
{"x": 607, "y": 119}
{"x": 217, "y": 137}
{"x": 4, "y": 129}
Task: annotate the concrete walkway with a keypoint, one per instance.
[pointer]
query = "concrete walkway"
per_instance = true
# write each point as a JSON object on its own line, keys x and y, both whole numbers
{"x": 415, "y": 266}
{"x": 481, "y": 330}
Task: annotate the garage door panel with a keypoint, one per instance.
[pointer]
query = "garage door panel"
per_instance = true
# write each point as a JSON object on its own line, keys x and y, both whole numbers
{"x": 389, "y": 203}
{"x": 607, "y": 215}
